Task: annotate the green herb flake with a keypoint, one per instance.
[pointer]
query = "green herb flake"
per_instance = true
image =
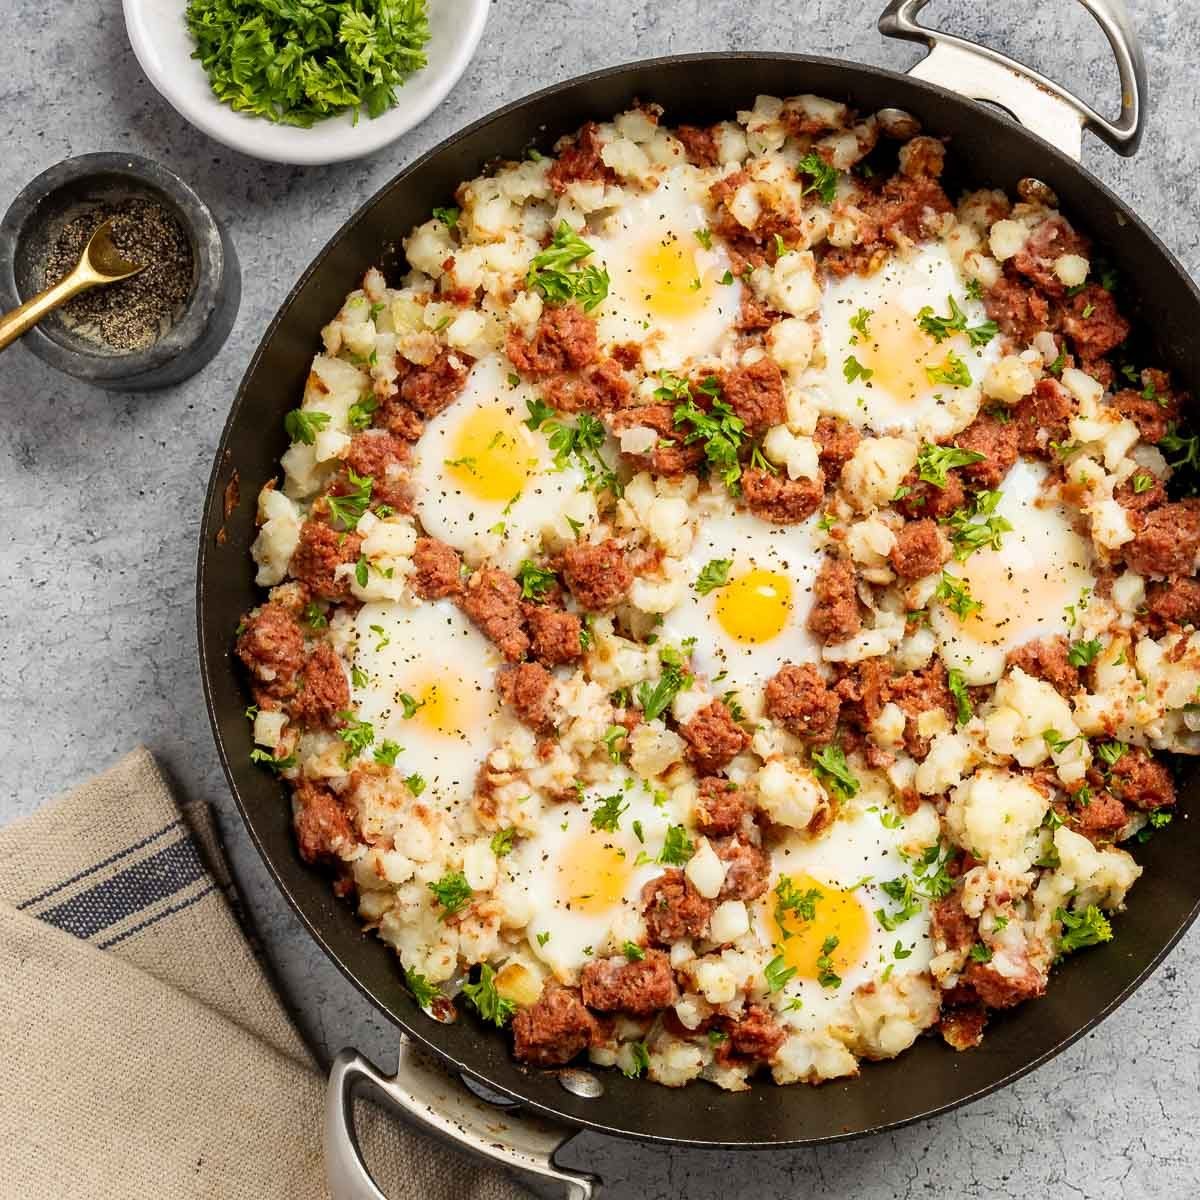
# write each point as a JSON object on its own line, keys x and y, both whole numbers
{"x": 827, "y": 977}
{"x": 1087, "y": 928}
{"x": 677, "y": 847}
{"x": 487, "y": 1001}
{"x": 714, "y": 574}
{"x": 1083, "y": 654}
{"x": 387, "y": 752}
{"x": 777, "y": 973}
{"x": 958, "y": 689}
{"x": 555, "y": 273}
{"x": 933, "y": 462}
{"x": 633, "y": 952}
{"x": 823, "y": 178}
{"x": 303, "y": 424}
{"x": 834, "y": 773}
{"x": 952, "y": 371}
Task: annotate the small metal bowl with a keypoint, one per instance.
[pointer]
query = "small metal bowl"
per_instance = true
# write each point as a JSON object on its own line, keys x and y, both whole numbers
{"x": 33, "y": 222}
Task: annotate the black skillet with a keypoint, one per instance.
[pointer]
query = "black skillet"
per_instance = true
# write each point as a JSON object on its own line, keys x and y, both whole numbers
{"x": 987, "y": 149}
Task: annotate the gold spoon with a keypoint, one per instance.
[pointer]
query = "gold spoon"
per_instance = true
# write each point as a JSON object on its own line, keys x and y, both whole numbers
{"x": 100, "y": 263}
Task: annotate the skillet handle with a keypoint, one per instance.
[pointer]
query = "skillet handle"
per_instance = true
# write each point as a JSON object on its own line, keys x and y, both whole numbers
{"x": 437, "y": 1103}
{"x": 1050, "y": 111}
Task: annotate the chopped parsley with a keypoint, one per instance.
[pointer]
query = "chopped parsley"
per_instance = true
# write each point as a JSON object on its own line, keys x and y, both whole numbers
{"x": 1188, "y": 448}
{"x": 721, "y": 430}
{"x": 348, "y": 508}
{"x": 1142, "y": 483}
{"x": 360, "y": 571}
{"x": 860, "y": 323}
{"x": 789, "y": 899}
{"x": 929, "y": 881}
{"x": 655, "y": 698}
{"x": 384, "y": 640}
{"x": 607, "y": 815}
{"x": 940, "y": 328}
{"x": 834, "y": 773}
{"x": 1158, "y": 819}
{"x": 415, "y": 783}
{"x": 448, "y": 216}
{"x": 314, "y": 618}
{"x": 958, "y": 689}
{"x": 953, "y": 372}
{"x": 303, "y": 424}
{"x": 359, "y": 677}
{"x": 452, "y": 892}
{"x": 1083, "y": 654}
{"x": 956, "y": 595}
{"x": 551, "y": 272}
{"x": 486, "y": 1000}
{"x": 981, "y": 953}
{"x": 704, "y": 237}
{"x": 357, "y": 735}
{"x": 933, "y": 462}
{"x": 827, "y": 977}
{"x": 640, "y": 1062}
{"x": 387, "y": 751}
{"x": 409, "y": 705}
{"x": 360, "y": 412}
{"x": 852, "y": 369}
{"x": 677, "y": 847}
{"x": 612, "y": 735}
{"x": 536, "y": 582}
{"x": 270, "y": 760}
{"x": 823, "y": 177}
{"x": 423, "y": 991}
{"x": 1111, "y": 752}
{"x": 580, "y": 442}
{"x": 633, "y": 952}
{"x": 502, "y": 841}
{"x": 1079, "y": 929}
{"x": 714, "y": 574}
{"x": 967, "y": 534}
{"x": 777, "y": 973}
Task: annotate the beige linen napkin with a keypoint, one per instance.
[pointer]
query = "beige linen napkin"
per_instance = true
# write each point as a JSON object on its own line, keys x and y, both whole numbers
{"x": 143, "y": 1052}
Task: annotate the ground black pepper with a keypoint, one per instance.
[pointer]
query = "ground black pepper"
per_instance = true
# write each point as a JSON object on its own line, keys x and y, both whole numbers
{"x": 135, "y": 313}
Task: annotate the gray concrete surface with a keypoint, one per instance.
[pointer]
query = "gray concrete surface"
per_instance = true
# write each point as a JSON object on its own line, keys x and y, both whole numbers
{"x": 102, "y": 493}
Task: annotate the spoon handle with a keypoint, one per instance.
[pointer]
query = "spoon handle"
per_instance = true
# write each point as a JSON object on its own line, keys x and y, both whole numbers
{"x": 21, "y": 320}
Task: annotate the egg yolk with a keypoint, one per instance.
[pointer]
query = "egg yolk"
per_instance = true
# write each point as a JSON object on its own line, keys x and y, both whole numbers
{"x": 593, "y": 875}
{"x": 439, "y": 706}
{"x": 754, "y": 607}
{"x": 836, "y": 914}
{"x": 668, "y": 281}
{"x": 492, "y": 455}
{"x": 896, "y": 351}
{"x": 1020, "y": 589}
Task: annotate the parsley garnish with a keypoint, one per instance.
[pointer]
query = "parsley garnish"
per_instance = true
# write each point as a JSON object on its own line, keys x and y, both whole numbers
{"x": 269, "y": 760}
{"x": 415, "y": 784}
{"x": 633, "y": 952}
{"x": 953, "y": 371}
{"x": 777, "y": 973}
{"x": 704, "y": 237}
{"x": 1082, "y": 654}
{"x": 721, "y": 430}
{"x": 852, "y": 369}
{"x": 452, "y": 892}
{"x": 535, "y": 581}
{"x": 1087, "y": 928}
{"x": 550, "y": 275}
{"x": 384, "y": 640}
{"x": 423, "y": 991}
{"x": 348, "y": 508}
{"x": 833, "y": 771}
{"x": 1142, "y": 483}
{"x": 714, "y": 574}
{"x": 502, "y": 841}
{"x": 581, "y": 442}
{"x": 824, "y": 177}
{"x": 1188, "y": 448}
{"x": 359, "y": 678}
{"x": 958, "y": 689}
{"x": 314, "y": 618}
{"x": 387, "y": 751}
{"x": 448, "y": 216}
{"x": 933, "y": 462}
{"x": 827, "y": 977}
{"x": 357, "y": 735}
{"x": 359, "y": 414}
{"x": 486, "y": 1000}
{"x": 940, "y": 328}
{"x": 968, "y": 535}
{"x": 410, "y": 705}
{"x": 612, "y": 735}
{"x": 677, "y": 847}
{"x": 303, "y": 424}
{"x": 1110, "y": 752}
{"x": 607, "y": 815}
{"x": 957, "y": 596}
{"x": 981, "y": 953}
{"x": 860, "y": 324}
{"x": 641, "y": 1061}
{"x": 789, "y": 899}
{"x": 655, "y": 698}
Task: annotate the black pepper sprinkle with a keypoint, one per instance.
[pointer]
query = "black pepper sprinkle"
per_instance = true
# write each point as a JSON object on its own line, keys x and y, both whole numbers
{"x": 135, "y": 313}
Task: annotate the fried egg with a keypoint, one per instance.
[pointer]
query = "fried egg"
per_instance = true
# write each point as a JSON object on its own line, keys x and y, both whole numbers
{"x": 882, "y": 369}
{"x": 486, "y": 483}
{"x": 1034, "y": 586}
{"x": 842, "y": 873}
{"x": 756, "y": 619}
{"x": 666, "y": 273}
{"x": 584, "y": 870}
{"x": 424, "y": 678}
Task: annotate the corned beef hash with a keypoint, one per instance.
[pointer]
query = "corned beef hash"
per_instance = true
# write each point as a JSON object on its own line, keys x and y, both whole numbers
{"x": 727, "y": 602}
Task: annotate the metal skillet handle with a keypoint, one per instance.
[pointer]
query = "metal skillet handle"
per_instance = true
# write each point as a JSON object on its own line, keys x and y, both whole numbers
{"x": 1053, "y": 113}
{"x": 438, "y": 1103}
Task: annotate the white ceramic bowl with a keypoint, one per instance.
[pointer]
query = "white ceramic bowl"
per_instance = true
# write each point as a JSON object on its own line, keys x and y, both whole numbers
{"x": 164, "y": 48}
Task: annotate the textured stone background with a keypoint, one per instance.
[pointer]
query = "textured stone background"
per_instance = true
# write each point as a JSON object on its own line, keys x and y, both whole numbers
{"x": 102, "y": 493}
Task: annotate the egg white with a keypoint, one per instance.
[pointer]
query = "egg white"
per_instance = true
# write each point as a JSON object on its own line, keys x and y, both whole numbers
{"x": 1034, "y": 586}
{"x": 583, "y": 885}
{"x": 433, "y": 654}
{"x": 899, "y": 396}
{"x": 665, "y": 291}
{"x": 737, "y": 639}
{"x": 486, "y": 483}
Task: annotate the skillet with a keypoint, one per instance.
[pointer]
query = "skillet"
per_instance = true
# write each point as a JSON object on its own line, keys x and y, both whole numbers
{"x": 987, "y": 149}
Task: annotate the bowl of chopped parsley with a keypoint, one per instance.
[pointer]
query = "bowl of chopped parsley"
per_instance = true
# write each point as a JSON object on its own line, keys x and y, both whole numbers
{"x": 304, "y": 81}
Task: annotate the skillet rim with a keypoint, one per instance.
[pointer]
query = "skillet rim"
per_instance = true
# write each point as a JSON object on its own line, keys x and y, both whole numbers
{"x": 211, "y": 522}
